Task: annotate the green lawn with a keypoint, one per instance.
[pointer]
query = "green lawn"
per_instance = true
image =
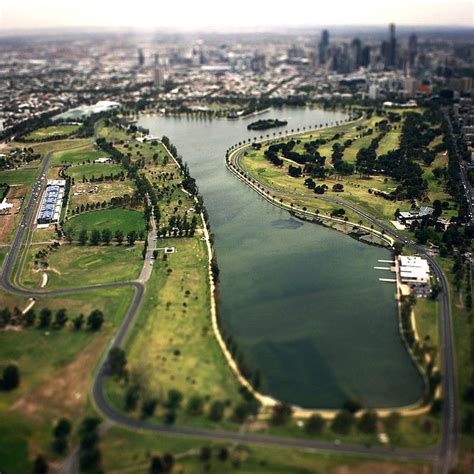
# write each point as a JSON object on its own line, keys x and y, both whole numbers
{"x": 56, "y": 368}
{"x": 52, "y": 131}
{"x": 113, "y": 219}
{"x": 93, "y": 170}
{"x": 26, "y": 176}
{"x": 127, "y": 451}
{"x": 389, "y": 142}
{"x": 83, "y": 154}
{"x": 172, "y": 345}
{"x": 74, "y": 265}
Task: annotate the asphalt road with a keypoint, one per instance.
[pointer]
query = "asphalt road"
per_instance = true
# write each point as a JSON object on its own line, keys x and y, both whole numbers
{"x": 442, "y": 457}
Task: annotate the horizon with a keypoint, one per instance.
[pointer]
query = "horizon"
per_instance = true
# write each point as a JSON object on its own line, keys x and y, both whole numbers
{"x": 182, "y": 17}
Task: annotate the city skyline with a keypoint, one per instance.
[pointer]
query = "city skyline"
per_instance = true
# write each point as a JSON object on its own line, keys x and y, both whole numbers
{"x": 208, "y": 15}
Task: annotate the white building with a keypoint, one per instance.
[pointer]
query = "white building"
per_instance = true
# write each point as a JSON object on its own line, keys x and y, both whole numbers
{"x": 374, "y": 91}
{"x": 4, "y": 205}
{"x": 414, "y": 271}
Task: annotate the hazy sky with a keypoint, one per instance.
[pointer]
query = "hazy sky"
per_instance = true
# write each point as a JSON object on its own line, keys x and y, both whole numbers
{"x": 215, "y": 14}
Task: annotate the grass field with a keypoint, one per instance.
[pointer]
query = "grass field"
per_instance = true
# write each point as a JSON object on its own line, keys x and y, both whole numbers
{"x": 26, "y": 175}
{"x": 389, "y": 142}
{"x": 355, "y": 189}
{"x": 84, "y": 153}
{"x": 113, "y": 219}
{"x": 56, "y": 371}
{"x": 75, "y": 266}
{"x": 172, "y": 345}
{"x": 427, "y": 324}
{"x": 97, "y": 192}
{"x": 93, "y": 170}
{"x": 52, "y": 131}
{"x": 127, "y": 451}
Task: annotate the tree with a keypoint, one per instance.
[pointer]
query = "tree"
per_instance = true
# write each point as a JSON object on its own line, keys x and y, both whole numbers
{"x": 131, "y": 397}
{"x": 60, "y": 319}
{"x": 352, "y": 406}
{"x": 40, "y": 466}
{"x": 148, "y": 407}
{"x": 205, "y": 453}
{"x": 170, "y": 417}
{"x": 83, "y": 237}
{"x": 195, "y": 405}
{"x": 367, "y": 423}
{"x": 29, "y": 318}
{"x": 156, "y": 465}
{"x": 281, "y": 413}
{"x": 342, "y": 422}
{"x": 95, "y": 237}
{"x": 168, "y": 462}
{"x": 69, "y": 235}
{"x": 5, "y": 317}
{"x": 397, "y": 248}
{"x": 106, "y": 236}
{"x": 223, "y": 454}
{"x": 45, "y": 318}
{"x": 95, "y": 320}
{"x": 62, "y": 428}
{"x": 216, "y": 411}
{"x": 315, "y": 424}
{"x": 119, "y": 236}
{"x": 10, "y": 377}
{"x": 77, "y": 322}
{"x": 131, "y": 238}
{"x": 174, "y": 399}
{"x": 117, "y": 362}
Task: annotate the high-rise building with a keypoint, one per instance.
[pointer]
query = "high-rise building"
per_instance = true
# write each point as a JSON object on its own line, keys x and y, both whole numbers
{"x": 158, "y": 73}
{"x": 141, "y": 57}
{"x": 391, "y": 48}
{"x": 324, "y": 47}
{"x": 258, "y": 63}
{"x": 356, "y": 53}
{"x": 365, "y": 56}
{"x": 412, "y": 49}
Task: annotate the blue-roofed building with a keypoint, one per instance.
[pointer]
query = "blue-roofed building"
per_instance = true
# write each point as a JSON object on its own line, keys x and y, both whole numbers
{"x": 50, "y": 210}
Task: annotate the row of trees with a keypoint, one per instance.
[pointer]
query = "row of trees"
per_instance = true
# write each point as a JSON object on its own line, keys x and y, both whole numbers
{"x": 46, "y": 319}
{"x": 97, "y": 237}
{"x": 342, "y": 423}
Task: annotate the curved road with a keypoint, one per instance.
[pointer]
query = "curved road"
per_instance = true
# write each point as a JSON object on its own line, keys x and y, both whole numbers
{"x": 442, "y": 457}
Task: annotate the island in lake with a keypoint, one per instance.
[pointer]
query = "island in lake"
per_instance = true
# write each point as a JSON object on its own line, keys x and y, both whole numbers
{"x": 265, "y": 124}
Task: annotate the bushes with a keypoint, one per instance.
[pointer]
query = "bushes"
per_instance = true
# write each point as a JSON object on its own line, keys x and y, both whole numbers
{"x": 10, "y": 377}
{"x": 342, "y": 422}
{"x": 89, "y": 454}
{"x": 315, "y": 424}
{"x": 281, "y": 414}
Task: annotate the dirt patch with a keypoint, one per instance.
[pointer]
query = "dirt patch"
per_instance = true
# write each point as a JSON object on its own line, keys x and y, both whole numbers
{"x": 381, "y": 468}
{"x": 15, "y": 196}
{"x": 65, "y": 392}
{"x": 466, "y": 461}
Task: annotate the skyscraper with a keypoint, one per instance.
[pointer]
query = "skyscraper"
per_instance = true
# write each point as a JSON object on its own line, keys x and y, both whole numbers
{"x": 323, "y": 47}
{"x": 141, "y": 57}
{"x": 391, "y": 48}
{"x": 412, "y": 49}
{"x": 356, "y": 53}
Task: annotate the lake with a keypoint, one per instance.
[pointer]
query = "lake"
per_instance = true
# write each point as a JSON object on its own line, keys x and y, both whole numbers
{"x": 303, "y": 302}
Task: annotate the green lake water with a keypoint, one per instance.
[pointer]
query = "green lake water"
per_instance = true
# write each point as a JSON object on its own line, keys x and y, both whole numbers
{"x": 303, "y": 302}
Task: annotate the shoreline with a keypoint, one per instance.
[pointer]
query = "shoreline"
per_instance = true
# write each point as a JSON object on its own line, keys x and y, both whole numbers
{"x": 267, "y": 401}
{"x": 414, "y": 409}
